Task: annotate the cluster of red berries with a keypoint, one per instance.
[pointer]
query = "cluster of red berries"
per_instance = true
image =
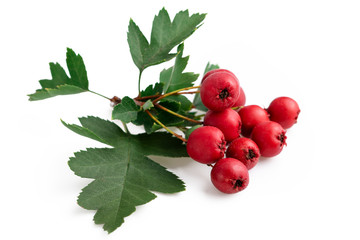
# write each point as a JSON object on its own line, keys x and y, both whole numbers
{"x": 243, "y": 135}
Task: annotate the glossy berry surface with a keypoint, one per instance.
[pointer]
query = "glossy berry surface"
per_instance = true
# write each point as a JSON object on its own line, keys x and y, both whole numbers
{"x": 228, "y": 121}
{"x": 206, "y": 144}
{"x": 284, "y": 110}
{"x": 220, "y": 90}
{"x": 250, "y": 116}
{"x": 270, "y": 138}
{"x": 241, "y": 99}
{"x": 217, "y": 71}
{"x": 245, "y": 150}
{"x": 229, "y": 175}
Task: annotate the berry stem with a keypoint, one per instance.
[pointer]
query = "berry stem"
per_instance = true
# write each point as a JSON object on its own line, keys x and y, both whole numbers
{"x": 172, "y": 93}
{"x": 176, "y": 114}
{"x": 166, "y": 128}
{"x": 159, "y": 95}
{"x": 147, "y": 97}
{"x": 237, "y": 108}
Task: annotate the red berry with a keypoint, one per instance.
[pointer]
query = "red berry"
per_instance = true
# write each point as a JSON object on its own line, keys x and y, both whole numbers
{"x": 270, "y": 138}
{"x": 228, "y": 121}
{"x": 219, "y": 90}
{"x": 215, "y": 71}
{"x": 229, "y": 175}
{"x": 250, "y": 116}
{"x": 206, "y": 144}
{"x": 241, "y": 99}
{"x": 284, "y": 110}
{"x": 244, "y": 150}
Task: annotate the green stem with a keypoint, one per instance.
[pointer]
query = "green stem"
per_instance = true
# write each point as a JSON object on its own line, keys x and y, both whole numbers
{"x": 177, "y": 115}
{"x": 172, "y": 93}
{"x": 158, "y": 95}
{"x": 99, "y": 94}
{"x": 166, "y": 128}
{"x": 139, "y": 80}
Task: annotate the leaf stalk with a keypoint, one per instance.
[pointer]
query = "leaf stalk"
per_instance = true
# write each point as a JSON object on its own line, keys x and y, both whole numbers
{"x": 99, "y": 94}
{"x": 172, "y": 93}
{"x": 166, "y": 128}
{"x": 176, "y": 114}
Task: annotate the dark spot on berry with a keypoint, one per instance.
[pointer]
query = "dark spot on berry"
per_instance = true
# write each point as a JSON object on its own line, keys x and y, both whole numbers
{"x": 238, "y": 183}
{"x": 282, "y": 139}
{"x": 222, "y": 146}
{"x": 224, "y": 93}
{"x": 250, "y": 155}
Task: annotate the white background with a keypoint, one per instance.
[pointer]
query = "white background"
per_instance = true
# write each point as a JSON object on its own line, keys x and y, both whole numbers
{"x": 308, "y": 50}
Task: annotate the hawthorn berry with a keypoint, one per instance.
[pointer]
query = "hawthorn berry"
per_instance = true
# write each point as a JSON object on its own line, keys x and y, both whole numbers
{"x": 229, "y": 175}
{"x": 228, "y": 121}
{"x": 206, "y": 144}
{"x": 250, "y": 116}
{"x": 245, "y": 150}
{"x": 219, "y": 90}
{"x": 217, "y": 71}
{"x": 270, "y": 138}
{"x": 284, "y": 110}
{"x": 241, "y": 99}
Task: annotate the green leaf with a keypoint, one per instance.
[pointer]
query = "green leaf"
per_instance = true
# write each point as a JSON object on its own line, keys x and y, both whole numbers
{"x": 210, "y": 67}
{"x": 147, "y": 105}
{"x": 190, "y": 130}
{"x": 184, "y": 102}
{"x": 143, "y": 119}
{"x": 197, "y": 99}
{"x": 173, "y": 78}
{"x": 152, "y": 90}
{"x": 165, "y": 35}
{"x": 126, "y": 111}
{"x": 124, "y": 177}
{"x": 61, "y": 84}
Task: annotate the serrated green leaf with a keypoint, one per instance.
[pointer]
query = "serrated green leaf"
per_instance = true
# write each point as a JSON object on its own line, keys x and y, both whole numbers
{"x": 143, "y": 119}
{"x": 165, "y": 35}
{"x": 173, "y": 78}
{"x": 122, "y": 181}
{"x": 123, "y": 175}
{"x": 126, "y": 111}
{"x": 184, "y": 102}
{"x": 61, "y": 84}
{"x": 138, "y": 44}
{"x": 151, "y": 90}
{"x": 210, "y": 66}
{"x": 197, "y": 99}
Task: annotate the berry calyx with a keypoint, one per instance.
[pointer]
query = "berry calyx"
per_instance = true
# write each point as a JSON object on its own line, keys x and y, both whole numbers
{"x": 250, "y": 116}
{"x": 284, "y": 110}
{"x": 245, "y": 150}
{"x": 270, "y": 138}
{"x": 228, "y": 121}
{"x": 206, "y": 144}
{"x": 219, "y": 90}
{"x": 229, "y": 175}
